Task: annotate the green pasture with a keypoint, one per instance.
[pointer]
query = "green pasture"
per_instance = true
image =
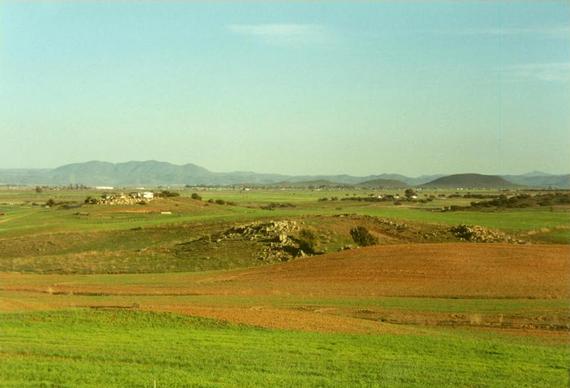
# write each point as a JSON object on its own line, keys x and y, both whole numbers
{"x": 129, "y": 348}
{"x": 25, "y": 220}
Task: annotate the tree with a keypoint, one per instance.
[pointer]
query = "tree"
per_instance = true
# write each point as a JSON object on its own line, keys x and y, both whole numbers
{"x": 409, "y": 193}
{"x": 362, "y": 236}
{"x": 38, "y": 189}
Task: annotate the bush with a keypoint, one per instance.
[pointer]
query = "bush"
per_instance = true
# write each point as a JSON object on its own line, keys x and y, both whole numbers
{"x": 220, "y": 201}
{"x": 307, "y": 241}
{"x": 90, "y": 200}
{"x": 168, "y": 194}
{"x": 50, "y": 202}
{"x": 196, "y": 196}
{"x": 275, "y": 205}
{"x": 362, "y": 236}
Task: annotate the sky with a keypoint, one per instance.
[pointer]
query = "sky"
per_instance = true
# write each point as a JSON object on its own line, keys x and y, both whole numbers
{"x": 296, "y": 88}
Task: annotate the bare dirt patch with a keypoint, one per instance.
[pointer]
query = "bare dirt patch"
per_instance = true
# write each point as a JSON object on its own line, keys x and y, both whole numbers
{"x": 427, "y": 270}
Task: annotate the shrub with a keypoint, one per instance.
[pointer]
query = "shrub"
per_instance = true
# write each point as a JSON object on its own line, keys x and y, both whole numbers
{"x": 274, "y": 205}
{"x": 220, "y": 202}
{"x": 167, "y": 194}
{"x": 196, "y": 196}
{"x": 362, "y": 236}
{"x": 307, "y": 241}
{"x": 462, "y": 231}
{"x": 90, "y": 200}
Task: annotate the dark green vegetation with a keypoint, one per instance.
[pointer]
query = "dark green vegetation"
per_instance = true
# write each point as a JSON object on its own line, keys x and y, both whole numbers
{"x": 524, "y": 201}
{"x": 362, "y": 236}
{"x": 116, "y": 348}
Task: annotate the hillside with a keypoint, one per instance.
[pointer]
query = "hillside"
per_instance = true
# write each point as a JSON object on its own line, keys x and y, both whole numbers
{"x": 383, "y": 183}
{"x": 470, "y": 181}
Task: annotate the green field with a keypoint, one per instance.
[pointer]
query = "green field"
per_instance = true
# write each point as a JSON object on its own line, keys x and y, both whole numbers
{"x": 81, "y": 348}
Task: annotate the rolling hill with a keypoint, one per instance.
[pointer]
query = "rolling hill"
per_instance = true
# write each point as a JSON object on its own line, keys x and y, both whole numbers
{"x": 470, "y": 181}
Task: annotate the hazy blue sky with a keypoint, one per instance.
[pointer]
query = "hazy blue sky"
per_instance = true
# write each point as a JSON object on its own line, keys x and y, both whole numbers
{"x": 355, "y": 88}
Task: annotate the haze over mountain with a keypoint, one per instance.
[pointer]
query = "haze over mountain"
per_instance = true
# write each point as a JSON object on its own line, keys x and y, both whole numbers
{"x": 153, "y": 173}
{"x": 383, "y": 183}
{"x": 545, "y": 180}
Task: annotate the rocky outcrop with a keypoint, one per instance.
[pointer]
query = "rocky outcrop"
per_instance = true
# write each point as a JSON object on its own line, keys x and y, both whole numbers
{"x": 476, "y": 233}
{"x": 278, "y": 239}
{"x": 121, "y": 199}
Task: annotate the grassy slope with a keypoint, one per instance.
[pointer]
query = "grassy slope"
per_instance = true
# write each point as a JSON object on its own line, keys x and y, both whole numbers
{"x": 108, "y": 348}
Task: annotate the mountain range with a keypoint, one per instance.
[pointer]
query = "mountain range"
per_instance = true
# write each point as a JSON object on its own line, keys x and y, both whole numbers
{"x": 154, "y": 173}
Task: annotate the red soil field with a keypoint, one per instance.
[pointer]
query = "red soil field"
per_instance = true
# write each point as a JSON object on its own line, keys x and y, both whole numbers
{"x": 458, "y": 270}
{"x": 436, "y": 270}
